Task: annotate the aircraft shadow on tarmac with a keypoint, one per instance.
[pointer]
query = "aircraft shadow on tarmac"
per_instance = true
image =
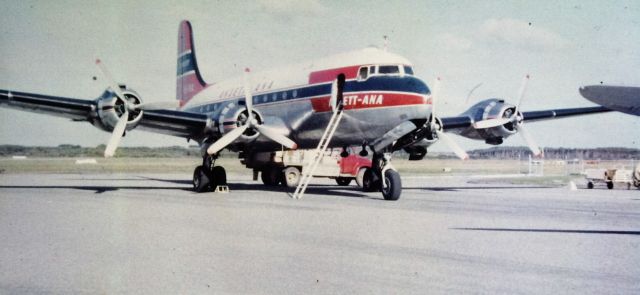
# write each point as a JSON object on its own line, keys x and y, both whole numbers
{"x": 461, "y": 188}
{"x": 98, "y": 189}
{"x": 541, "y": 230}
{"x": 326, "y": 190}
{"x": 317, "y": 189}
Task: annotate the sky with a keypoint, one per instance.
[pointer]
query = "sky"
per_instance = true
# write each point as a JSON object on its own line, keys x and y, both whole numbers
{"x": 49, "y": 47}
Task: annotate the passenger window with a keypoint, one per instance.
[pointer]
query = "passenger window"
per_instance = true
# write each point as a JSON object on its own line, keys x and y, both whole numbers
{"x": 363, "y": 73}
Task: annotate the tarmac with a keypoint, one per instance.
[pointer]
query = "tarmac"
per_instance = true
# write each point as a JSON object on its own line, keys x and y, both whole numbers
{"x": 148, "y": 233}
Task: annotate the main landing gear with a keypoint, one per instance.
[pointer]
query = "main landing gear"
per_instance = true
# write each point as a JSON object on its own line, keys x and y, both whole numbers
{"x": 209, "y": 177}
{"x": 390, "y": 185}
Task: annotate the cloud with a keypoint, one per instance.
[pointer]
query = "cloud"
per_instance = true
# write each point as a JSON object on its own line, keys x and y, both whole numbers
{"x": 292, "y": 8}
{"x": 521, "y": 34}
{"x": 449, "y": 41}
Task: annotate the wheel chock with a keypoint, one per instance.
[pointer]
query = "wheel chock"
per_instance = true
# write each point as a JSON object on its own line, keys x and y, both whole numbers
{"x": 221, "y": 189}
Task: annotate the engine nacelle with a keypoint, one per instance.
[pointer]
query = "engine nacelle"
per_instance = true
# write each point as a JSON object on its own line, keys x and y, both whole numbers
{"x": 491, "y": 109}
{"x": 234, "y": 115}
{"x": 417, "y": 142}
{"x": 110, "y": 108}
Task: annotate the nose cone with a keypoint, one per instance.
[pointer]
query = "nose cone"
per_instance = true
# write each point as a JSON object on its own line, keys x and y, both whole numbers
{"x": 417, "y": 85}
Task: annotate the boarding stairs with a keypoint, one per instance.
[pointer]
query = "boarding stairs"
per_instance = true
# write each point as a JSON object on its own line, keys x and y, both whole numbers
{"x": 307, "y": 174}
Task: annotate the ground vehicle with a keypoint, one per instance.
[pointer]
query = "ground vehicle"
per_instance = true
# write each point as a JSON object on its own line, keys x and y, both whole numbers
{"x": 608, "y": 177}
{"x": 332, "y": 165}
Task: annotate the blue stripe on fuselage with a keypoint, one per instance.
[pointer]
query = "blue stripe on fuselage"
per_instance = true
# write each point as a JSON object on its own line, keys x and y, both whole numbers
{"x": 185, "y": 63}
{"x": 409, "y": 84}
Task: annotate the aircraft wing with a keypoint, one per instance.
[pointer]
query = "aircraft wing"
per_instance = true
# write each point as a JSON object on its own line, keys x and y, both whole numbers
{"x": 171, "y": 122}
{"x": 618, "y": 98}
{"x": 462, "y": 122}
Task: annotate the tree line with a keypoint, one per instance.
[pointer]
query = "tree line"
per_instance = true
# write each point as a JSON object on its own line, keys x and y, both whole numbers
{"x": 68, "y": 150}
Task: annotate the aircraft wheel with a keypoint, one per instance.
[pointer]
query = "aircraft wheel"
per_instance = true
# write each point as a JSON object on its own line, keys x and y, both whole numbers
{"x": 610, "y": 185}
{"x": 291, "y": 176}
{"x": 271, "y": 176}
{"x": 219, "y": 177}
{"x": 370, "y": 182}
{"x": 360, "y": 176}
{"x": 200, "y": 180}
{"x": 343, "y": 181}
{"x": 590, "y": 185}
{"x": 393, "y": 188}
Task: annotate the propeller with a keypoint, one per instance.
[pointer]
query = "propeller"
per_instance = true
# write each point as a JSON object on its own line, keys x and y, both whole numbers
{"x": 119, "y": 129}
{"x": 516, "y": 119}
{"x": 533, "y": 146}
{"x": 438, "y": 129}
{"x": 251, "y": 122}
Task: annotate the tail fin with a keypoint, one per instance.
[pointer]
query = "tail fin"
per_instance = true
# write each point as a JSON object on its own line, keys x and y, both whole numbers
{"x": 189, "y": 81}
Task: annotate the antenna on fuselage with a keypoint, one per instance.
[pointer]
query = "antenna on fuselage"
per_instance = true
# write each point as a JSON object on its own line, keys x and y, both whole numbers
{"x": 386, "y": 42}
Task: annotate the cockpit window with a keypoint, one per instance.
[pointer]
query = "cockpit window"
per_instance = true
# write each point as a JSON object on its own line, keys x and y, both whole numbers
{"x": 363, "y": 73}
{"x": 388, "y": 70}
{"x": 408, "y": 70}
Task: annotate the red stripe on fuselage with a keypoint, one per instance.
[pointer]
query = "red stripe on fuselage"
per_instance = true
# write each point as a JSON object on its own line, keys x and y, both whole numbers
{"x": 329, "y": 75}
{"x": 367, "y": 100}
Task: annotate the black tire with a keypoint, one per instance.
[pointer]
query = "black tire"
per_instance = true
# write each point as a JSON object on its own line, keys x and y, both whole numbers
{"x": 291, "y": 176}
{"x": 343, "y": 181}
{"x": 271, "y": 176}
{"x": 393, "y": 188}
{"x": 201, "y": 180}
{"x": 370, "y": 182}
{"x": 590, "y": 185}
{"x": 610, "y": 185}
{"x": 218, "y": 177}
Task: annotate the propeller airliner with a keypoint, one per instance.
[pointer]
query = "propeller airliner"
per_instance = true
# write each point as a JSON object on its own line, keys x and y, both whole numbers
{"x": 369, "y": 98}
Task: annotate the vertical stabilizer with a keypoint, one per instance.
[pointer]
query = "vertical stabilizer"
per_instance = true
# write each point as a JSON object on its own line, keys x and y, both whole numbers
{"x": 189, "y": 81}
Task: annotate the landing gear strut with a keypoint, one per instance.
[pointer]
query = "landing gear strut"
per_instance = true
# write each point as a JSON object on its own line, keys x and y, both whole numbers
{"x": 209, "y": 177}
{"x": 382, "y": 177}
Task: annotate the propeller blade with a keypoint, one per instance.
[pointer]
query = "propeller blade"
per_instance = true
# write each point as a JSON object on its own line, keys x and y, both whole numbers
{"x": 248, "y": 98}
{"x": 274, "y": 135}
{"x": 490, "y": 123}
{"x": 529, "y": 140}
{"x": 523, "y": 88}
{"x": 151, "y": 106}
{"x": 434, "y": 94}
{"x": 116, "y": 135}
{"x": 228, "y": 138}
{"x": 453, "y": 145}
{"x": 112, "y": 83}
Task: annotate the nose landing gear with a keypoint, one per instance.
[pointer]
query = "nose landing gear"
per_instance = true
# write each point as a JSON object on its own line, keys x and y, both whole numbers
{"x": 382, "y": 177}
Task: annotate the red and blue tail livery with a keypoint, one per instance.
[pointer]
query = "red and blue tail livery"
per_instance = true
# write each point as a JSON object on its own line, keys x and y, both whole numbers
{"x": 189, "y": 82}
